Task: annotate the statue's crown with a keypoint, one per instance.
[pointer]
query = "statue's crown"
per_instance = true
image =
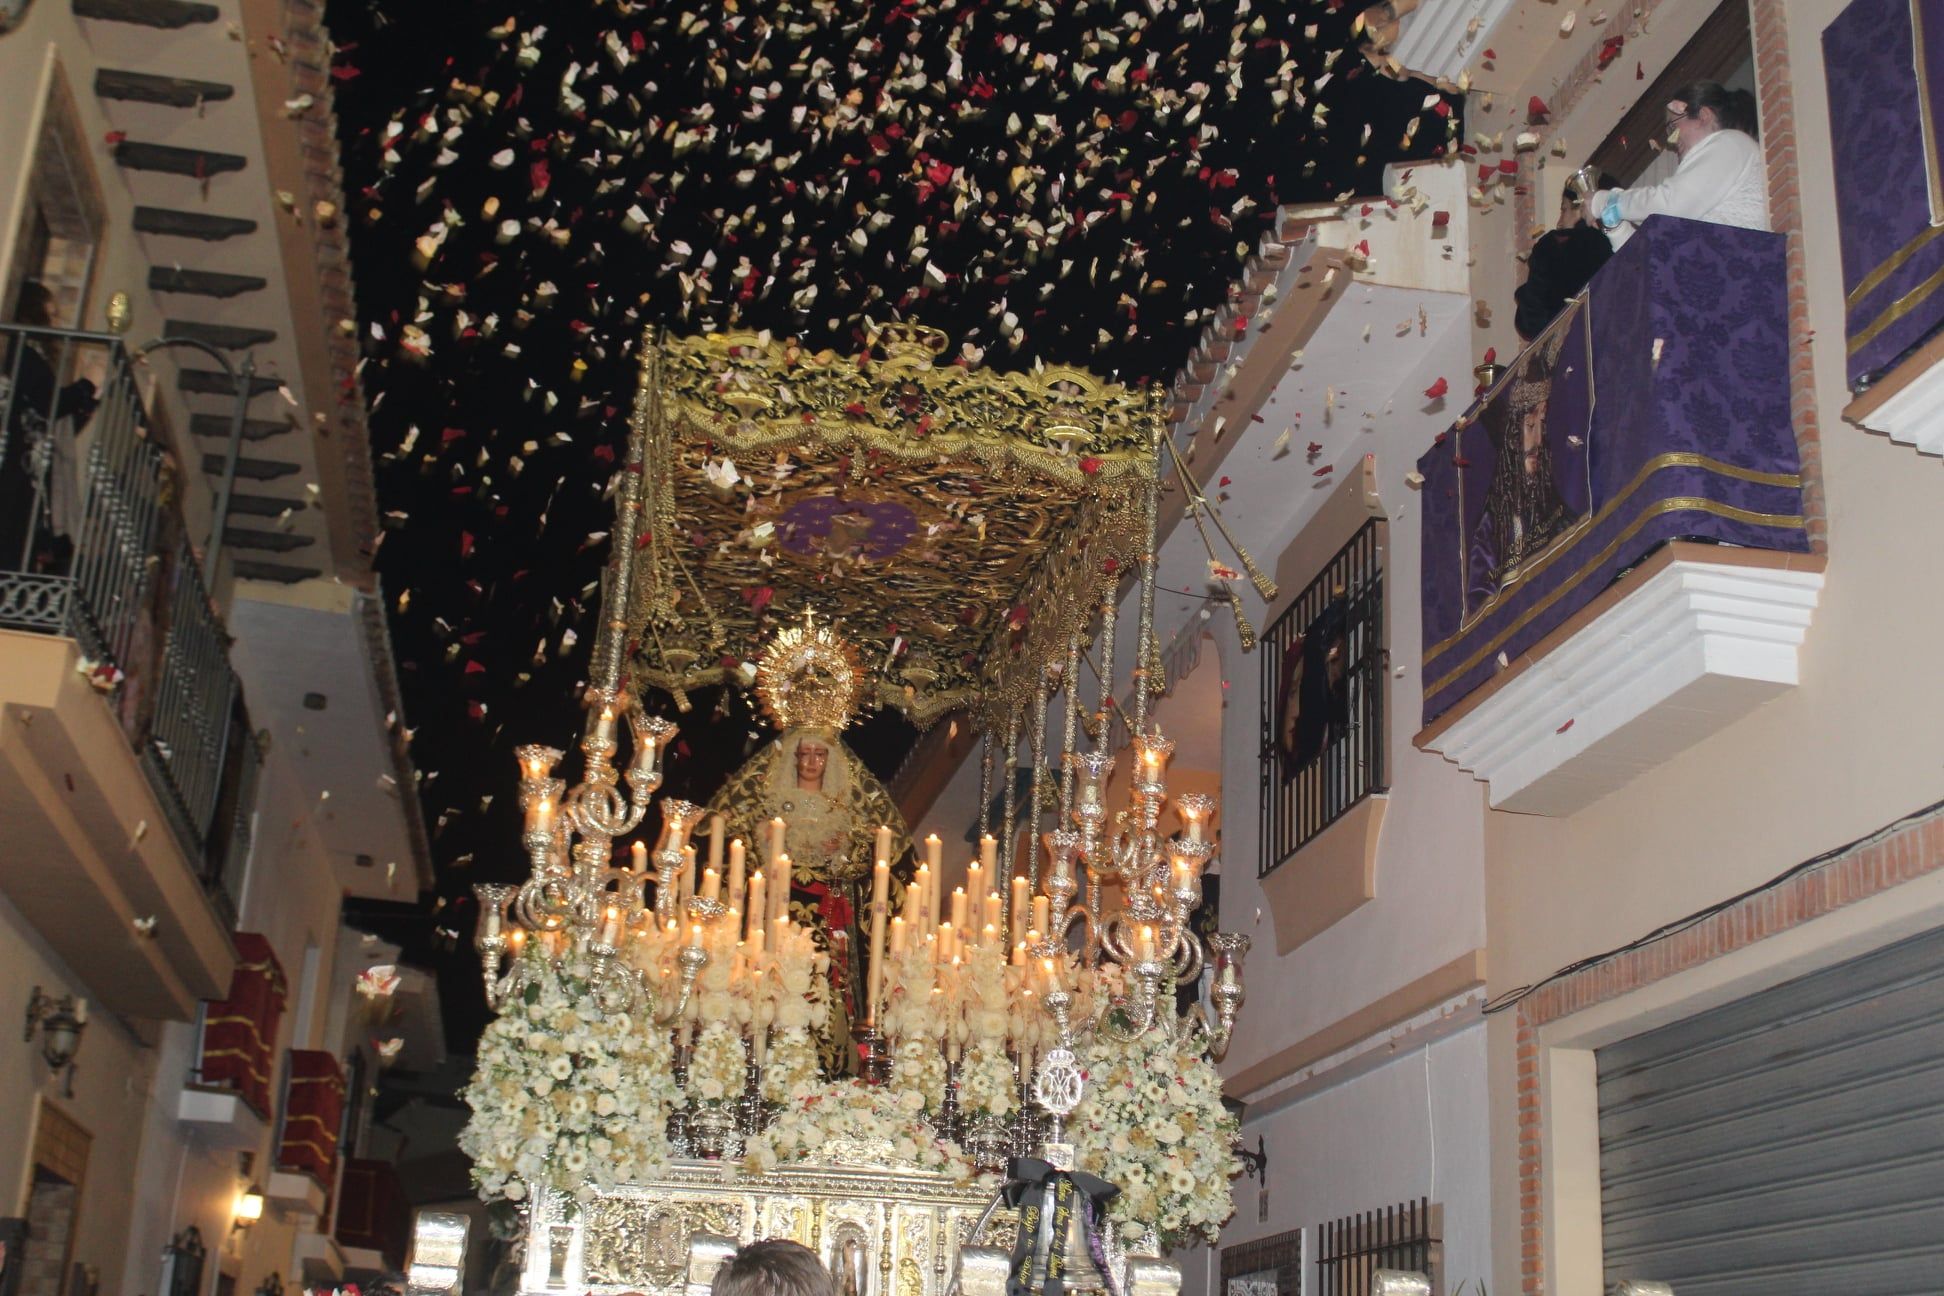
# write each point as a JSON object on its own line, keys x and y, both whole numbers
{"x": 808, "y": 677}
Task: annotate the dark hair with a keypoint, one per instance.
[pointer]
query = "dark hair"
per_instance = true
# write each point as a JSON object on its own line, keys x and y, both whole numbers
{"x": 1734, "y": 109}
{"x": 773, "y": 1267}
{"x": 35, "y": 304}
{"x": 1607, "y": 181}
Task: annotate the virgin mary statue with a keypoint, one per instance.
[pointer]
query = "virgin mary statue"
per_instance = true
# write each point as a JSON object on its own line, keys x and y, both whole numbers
{"x": 809, "y": 683}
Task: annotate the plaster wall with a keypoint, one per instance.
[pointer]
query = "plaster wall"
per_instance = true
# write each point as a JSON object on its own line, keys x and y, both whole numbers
{"x": 182, "y": 1176}
{"x": 1856, "y": 745}
{"x": 114, "y": 1077}
{"x": 1429, "y": 905}
{"x": 1412, "y": 1128}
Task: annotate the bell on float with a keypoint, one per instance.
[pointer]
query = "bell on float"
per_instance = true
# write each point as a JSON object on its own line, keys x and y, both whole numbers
{"x": 1081, "y": 1273}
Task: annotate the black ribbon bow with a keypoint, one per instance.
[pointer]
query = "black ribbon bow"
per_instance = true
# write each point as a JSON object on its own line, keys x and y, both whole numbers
{"x": 1034, "y": 1187}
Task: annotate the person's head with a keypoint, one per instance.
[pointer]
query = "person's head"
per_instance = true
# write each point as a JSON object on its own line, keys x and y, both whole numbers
{"x": 1701, "y": 108}
{"x": 773, "y": 1267}
{"x": 812, "y": 758}
{"x": 1570, "y": 199}
{"x": 35, "y": 305}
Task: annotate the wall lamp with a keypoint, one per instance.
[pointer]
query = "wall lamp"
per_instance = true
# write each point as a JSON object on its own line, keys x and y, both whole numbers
{"x": 249, "y": 1207}
{"x": 61, "y": 1022}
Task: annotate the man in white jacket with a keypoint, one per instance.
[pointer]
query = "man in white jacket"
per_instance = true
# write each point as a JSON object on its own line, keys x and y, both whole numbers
{"x": 1722, "y": 176}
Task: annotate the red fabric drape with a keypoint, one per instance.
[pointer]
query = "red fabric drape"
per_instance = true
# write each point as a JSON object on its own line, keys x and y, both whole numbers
{"x": 374, "y": 1213}
{"x": 240, "y": 1031}
{"x": 313, "y": 1112}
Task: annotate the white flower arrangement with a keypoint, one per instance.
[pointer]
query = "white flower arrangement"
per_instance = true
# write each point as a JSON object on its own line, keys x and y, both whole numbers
{"x": 565, "y": 1094}
{"x": 791, "y": 1069}
{"x": 918, "y": 1074}
{"x": 987, "y": 1084}
{"x": 718, "y": 1067}
{"x": 844, "y": 1118}
{"x": 1151, "y": 1121}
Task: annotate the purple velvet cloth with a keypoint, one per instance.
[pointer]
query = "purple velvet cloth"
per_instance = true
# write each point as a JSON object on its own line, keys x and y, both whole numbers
{"x": 1713, "y": 298}
{"x": 1883, "y": 172}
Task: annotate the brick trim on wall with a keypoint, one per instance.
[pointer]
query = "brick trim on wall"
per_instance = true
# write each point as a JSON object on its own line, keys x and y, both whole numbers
{"x": 1775, "y": 90}
{"x": 1900, "y": 856}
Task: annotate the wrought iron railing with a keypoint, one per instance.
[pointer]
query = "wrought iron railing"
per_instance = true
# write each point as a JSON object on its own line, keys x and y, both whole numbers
{"x": 92, "y": 546}
{"x": 1401, "y": 1237}
{"x": 1323, "y": 700}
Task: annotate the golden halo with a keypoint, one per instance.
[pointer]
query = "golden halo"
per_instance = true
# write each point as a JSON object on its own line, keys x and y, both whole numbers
{"x": 808, "y": 677}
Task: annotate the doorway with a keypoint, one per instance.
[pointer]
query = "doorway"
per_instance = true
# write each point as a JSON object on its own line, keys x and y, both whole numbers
{"x": 53, "y": 1213}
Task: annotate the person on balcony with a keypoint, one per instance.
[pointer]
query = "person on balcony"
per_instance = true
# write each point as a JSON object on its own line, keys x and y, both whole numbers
{"x": 1721, "y": 178}
{"x": 1562, "y": 261}
{"x": 41, "y": 422}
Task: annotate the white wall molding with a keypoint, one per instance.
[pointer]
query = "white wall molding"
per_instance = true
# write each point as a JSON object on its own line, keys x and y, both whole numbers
{"x": 1696, "y": 647}
{"x": 1915, "y": 414}
{"x": 1440, "y": 37}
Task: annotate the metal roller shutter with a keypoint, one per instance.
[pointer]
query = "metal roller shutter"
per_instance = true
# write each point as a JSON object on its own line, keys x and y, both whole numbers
{"x": 1790, "y": 1142}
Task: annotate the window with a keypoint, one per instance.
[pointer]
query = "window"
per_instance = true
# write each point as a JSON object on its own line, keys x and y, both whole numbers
{"x": 1271, "y": 1266}
{"x": 1351, "y": 1250}
{"x": 1322, "y": 699}
{"x": 63, "y": 216}
{"x": 1723, "y": 51}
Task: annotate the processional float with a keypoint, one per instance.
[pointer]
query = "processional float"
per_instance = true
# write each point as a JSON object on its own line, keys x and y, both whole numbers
{"x": 1035, "y": 1103}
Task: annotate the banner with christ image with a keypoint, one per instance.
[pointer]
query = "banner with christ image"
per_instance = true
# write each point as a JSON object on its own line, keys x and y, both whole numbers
{"x": 1656, "y": 408}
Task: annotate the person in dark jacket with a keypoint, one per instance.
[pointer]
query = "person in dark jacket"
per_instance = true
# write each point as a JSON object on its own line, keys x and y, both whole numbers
{"x": 1562, "y": 262}
{"x": 32, "y": 409}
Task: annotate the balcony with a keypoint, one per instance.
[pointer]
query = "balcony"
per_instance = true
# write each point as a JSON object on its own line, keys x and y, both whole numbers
{"x": 374, "y": 1221}
{"x": 1615, "y": 559}
{"x": 127, "y": 763}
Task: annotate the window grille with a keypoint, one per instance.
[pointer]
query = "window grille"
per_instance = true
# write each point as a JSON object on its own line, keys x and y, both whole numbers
{"x": 1351, "y": 1250}
{"x": 1323, "y": 700}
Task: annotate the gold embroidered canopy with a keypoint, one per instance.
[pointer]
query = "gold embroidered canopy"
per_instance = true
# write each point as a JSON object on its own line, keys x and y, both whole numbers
{"x": 959, "y": 525}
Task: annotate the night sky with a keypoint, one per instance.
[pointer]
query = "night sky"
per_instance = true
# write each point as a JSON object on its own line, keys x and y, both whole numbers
{"x": 531, "y": 185}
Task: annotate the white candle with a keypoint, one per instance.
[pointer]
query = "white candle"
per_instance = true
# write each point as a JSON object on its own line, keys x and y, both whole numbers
{"x": 695, "y": 935}
{"x": 639, "y": 854}
{"x": 541, "y": 817}
{"x": 884, "y": 841}
{"x": 897, "y": 937}
{"x": 776, "y": 839}
{"x": 988, "y": 851}
{"x": 921, "y": 890}
{"x": 1042, "y": 913}
{"x": 715, "y": 842}
{"x": 1019, "y": 903}
{"x": 687, "y": 885}
{"x": 711, "y": 884}
{"x": 992, "y": 910}
{"x": 757, "y": 913}
{"x": 975, "y": 882}
{"x": 958, "y": 908}
{"x": 932, "y": 848}
{"x": 1019, "y": 954}
{"x": 611, "y": 929}
{"x": 1147, "y": 944}
{"x": 737, "y": 864}
{"x": 880, "y": 881}
{"x": 780, "y": 893}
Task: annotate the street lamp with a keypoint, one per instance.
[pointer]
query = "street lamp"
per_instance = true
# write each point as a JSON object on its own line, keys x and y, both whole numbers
{"x": 243, "y": 381}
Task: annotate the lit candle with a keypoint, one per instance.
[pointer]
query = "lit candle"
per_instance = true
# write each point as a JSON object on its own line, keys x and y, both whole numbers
{"x": 687, "y": 885}
{"x": 921, "y": 891}
{"x": 711, "y": 885}
{"x": 1019, "y": 954}
{"x": 958, "y": 908}
{"x": 1147, "y": 943}
{"x": 611, "y": 929}
{"x": 884, "y": 842}
{"x": 988, "y": 851}
{"x": 932, "y": 848}
{"x": 695, "y": 935}
{"x": 517, "y": 941}
{"x": 897, "y": 937}
{"x": 880, "y": 882}
{"x": 715, "y": 842}
{"x": 1184, "y": 876}
{"x": 780, "y": 893}
{"x": 1049, "y": 974}
{"x": 639, "y": 852}
{"x": 540, "y": 818}
{"x": 947, "y": 942}
{"x": 1042, "y": 913}
{"x": 776, "y": 828}
{"x": 757, "y": 913}
{"x": 737, "y": 863}
{"x": 1019, "y": 903}
{"x": 992, "y": 910}
{"x": 989, "y": 935}
{"x": 975, "y": 882}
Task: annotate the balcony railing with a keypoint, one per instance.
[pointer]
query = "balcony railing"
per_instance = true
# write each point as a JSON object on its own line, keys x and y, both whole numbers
{"x": 1656, "y": 409}
{"x": 93, "y": 547}
{"x": 1323, "y": 700}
